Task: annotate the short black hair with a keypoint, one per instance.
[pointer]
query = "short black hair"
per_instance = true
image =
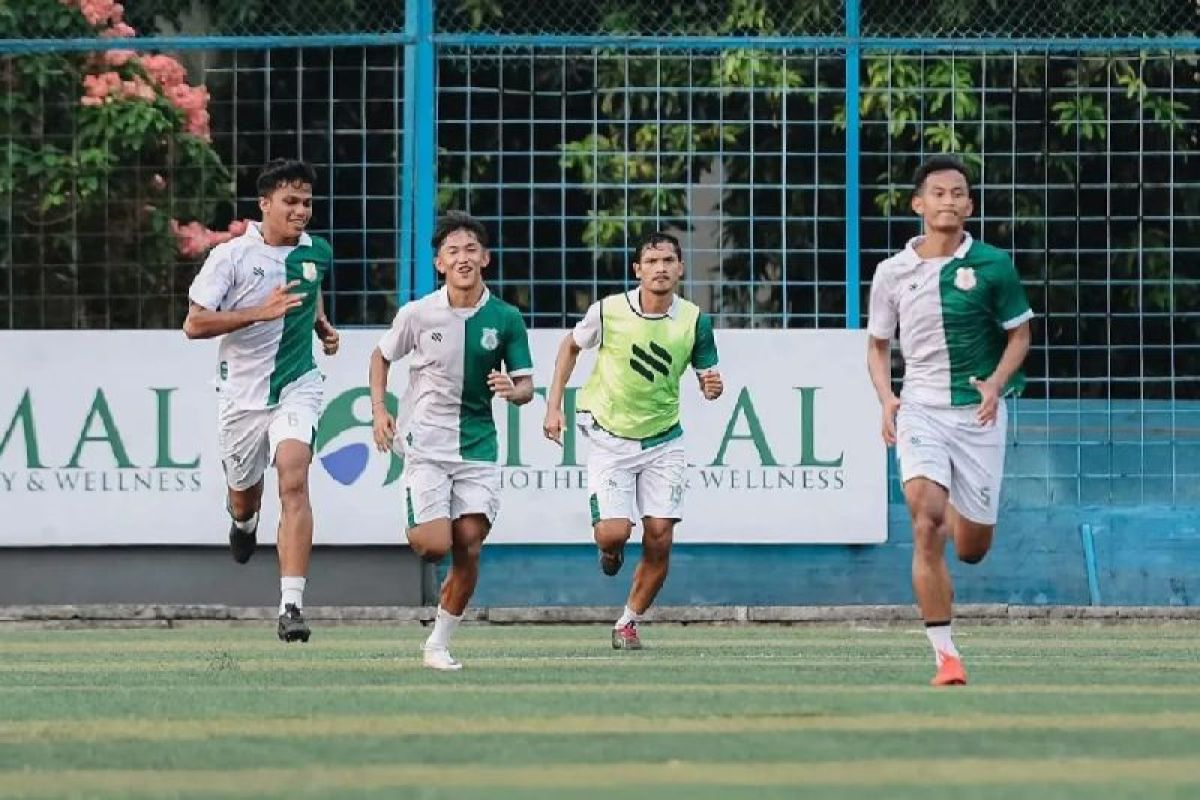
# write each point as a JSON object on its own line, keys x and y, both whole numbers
{"x": 283, "y": 172}
{"x": 453, "y": 221}
{"x": 939, "y": 163}
{"x": 654, "y": 240}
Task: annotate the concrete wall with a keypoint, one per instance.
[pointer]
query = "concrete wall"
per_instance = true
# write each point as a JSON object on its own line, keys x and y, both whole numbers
{"x": 351, "y": 576}
{"x": 1143, "y": 556}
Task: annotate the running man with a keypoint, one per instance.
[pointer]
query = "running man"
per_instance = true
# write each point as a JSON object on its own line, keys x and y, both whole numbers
{"x": 459, "y": 339}
{"x": 261, "y": 292}
{"x": 964, "y": 333}
{"x": 629, "y": 410}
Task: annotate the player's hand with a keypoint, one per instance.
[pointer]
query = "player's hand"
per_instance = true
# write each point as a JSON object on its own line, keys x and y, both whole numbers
{"x": 989, "y": 402}
{"x": 710, "y": 384}
{"x": 553, "y": 425}
{"x": 280, "y": 301}
{"x": 501, "y": 384}
{"x": 383, "y": 426}
{"x": 330, "y": 338}
{"x": 890, "y": 406}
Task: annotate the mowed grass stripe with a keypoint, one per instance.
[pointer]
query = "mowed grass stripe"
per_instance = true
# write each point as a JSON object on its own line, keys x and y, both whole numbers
{"x": 131, "y": 729}
{"x": 604, "y": 688}
{"x": 346, "y": 647}
{"x": 637, "y": 661}
{"x": 863, "y": 773}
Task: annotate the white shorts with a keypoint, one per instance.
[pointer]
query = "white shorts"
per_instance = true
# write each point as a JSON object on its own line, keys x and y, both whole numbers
{"x": 628, "y": 482}
{"x": 449, "y": 490}
{"x": 948, "y": 446}
{"x": 249, "y": 437}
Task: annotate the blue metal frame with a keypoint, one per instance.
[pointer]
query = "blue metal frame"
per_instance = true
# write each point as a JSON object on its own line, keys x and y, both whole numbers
{"x": 273, "y": 42}
{"x": 424, "y": 137}
{"x": 853, "y": 111}
{"x": 1007, "y": 44}
{"x": 410, "y": 37}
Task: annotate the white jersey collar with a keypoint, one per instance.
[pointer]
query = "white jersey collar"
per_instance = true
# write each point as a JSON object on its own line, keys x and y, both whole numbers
{"x": 910, "y": 256}
{"x": 443, "y": 297}
{"x": 254, "y": 231}
{"x": 635, "y": 302}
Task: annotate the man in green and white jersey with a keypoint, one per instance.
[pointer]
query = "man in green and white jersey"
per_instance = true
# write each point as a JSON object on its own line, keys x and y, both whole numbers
{"x": 964, "y": 333}
{"x": 261, "y": 292}
{"x": 465, "y": 346}
{"x": 629, "y": 411}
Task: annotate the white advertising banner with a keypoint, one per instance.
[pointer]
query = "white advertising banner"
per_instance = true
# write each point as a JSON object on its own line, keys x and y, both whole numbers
{"x": 109, "y": 437}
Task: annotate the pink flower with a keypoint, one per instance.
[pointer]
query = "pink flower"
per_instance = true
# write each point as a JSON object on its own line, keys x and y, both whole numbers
{"x": 118, "y": 58}
{"x": 165, "y": 70}
{"x": 120, "y": 30}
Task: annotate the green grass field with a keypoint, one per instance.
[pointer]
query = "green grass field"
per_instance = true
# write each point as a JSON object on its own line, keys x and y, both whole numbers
{"x": 551, "y": 712}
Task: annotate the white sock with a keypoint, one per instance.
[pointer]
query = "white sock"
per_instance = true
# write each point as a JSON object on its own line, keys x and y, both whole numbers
{"x": 939, "y": 637}
{"x": 443, "y": 628}
{"x": 247, "y": 525}
{"x": 627, "y": 617}
{"x": 291, "y": 590}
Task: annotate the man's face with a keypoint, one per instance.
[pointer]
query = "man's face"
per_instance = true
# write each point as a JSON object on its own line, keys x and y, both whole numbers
{"x": 288, "y": 208}
{"x": 461, "y": 260}
{"x": 659, "y": 268}
{"x": 944, "y": 201}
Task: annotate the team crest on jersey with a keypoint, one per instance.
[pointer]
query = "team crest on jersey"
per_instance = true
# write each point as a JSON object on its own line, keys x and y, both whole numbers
{"x": 965, "y": 278}
{"x": 309, "y": 270}
{"x": 490, "y": 339}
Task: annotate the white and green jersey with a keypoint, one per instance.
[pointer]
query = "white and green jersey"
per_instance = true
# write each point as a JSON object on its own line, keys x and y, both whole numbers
{"x": 953, "y": 315}
{"x": 448, "y": 406}
{"x": 257, "y": 362}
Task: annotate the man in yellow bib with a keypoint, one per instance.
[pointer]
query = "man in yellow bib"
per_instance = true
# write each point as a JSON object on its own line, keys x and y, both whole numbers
{"x": 629, "y": 411}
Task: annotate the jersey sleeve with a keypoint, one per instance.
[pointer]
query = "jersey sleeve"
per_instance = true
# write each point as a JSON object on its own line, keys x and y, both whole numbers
{"x": 704, "y": 351}
{"x": 211, "y": 285}
{"x": 882, "y": 313}
{"x": 517, "y": 360}
{"x": 1009, "y": 303}
{"x": 401, "y": 338}
{"x": 589, "y": 330}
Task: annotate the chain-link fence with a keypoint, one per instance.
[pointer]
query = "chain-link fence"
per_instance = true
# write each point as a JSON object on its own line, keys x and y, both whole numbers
{"x": 31, "y": 19}
{"x": 1025, "y": 19}
{"x": 622, "y": 18}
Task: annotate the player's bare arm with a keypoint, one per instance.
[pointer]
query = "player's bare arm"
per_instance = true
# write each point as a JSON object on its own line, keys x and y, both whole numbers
{"x": 564, "y": 365}
{"x": 879, "y": 365}
{"x": 711, "y": 385}
{"x": 991, "y": 387}
{"x": 323, "y": 328}
{"x": 204, "y": 323}
{"x": 383, "y": 424}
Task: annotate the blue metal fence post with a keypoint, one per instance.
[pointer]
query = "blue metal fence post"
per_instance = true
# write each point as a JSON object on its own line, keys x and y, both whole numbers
{"x": 407, "y": 156}
{"x": 853, "y": 72}
{"x": 425, "y": 148}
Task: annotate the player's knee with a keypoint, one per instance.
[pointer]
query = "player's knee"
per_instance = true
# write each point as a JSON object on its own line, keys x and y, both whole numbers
{"x": 927, "y": 536}
{"x": 467, "y": 550}
{"x": 429, "y": 551}
{"x": 293, "y": 492}
{"x": 612, "y": 535}
{"x": 657, "y": 537}
{"x": 971, "y": 556}
{"x": 242, "y": 507}
{"x": 971, "y": 552}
